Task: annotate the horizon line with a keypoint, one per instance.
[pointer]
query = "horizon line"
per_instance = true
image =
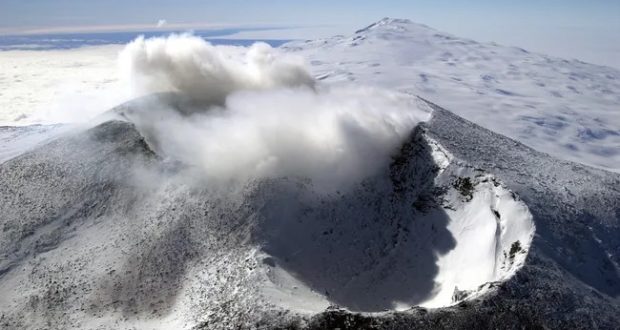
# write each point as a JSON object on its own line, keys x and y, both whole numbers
{"x": 168, "y": 27}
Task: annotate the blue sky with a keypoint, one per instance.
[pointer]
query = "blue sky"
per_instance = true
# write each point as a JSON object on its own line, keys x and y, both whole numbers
{"x": 584, "y": 29}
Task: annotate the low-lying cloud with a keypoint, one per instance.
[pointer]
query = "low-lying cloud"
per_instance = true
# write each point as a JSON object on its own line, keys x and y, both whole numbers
{"x": 258, "y": 113}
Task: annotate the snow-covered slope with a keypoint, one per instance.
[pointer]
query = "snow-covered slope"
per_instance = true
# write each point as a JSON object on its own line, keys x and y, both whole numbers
{"x": 101, "y": 232}
{"x": 17, "y": 140}
{"x": 568, "y": 109}
{"x": 571, "y": 278}
{"x": 98, "y": 230}
{"x": 437, "y": 234}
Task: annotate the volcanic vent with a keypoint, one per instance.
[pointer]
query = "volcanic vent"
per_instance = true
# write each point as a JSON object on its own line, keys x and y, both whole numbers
{"x": 429, "y": 231}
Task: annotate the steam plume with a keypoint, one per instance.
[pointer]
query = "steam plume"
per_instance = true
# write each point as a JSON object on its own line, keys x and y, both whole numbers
{"x": 261, "y": 114}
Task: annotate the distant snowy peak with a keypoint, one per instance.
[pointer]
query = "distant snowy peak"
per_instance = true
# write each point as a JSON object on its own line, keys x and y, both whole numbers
{"x": 391, "y": 34}
{"x": 387, "y": 29}
{"x": 566, "y": 108}
{"x": 392, "y": 29}
{"x": 394, "y": 24}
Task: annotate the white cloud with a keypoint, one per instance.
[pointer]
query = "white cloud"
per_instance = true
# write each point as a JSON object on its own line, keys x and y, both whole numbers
{"x": 161, "y": 23}
{"x": 206, "y": 73}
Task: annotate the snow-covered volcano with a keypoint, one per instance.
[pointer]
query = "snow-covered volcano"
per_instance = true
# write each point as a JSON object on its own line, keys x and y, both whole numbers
{"x": 100, "y": 231}
{"x": 135, "y": 242}
{"x": 424, "y": 229}
{"x": 434, "y": 222}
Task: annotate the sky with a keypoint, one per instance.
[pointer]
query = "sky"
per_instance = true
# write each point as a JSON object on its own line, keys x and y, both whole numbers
{"x": 588, "y": 30}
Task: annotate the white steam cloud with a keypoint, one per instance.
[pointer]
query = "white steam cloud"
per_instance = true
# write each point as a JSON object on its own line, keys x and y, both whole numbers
{"x": 206, "y": 73}
{"x": 261, "y": 114}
